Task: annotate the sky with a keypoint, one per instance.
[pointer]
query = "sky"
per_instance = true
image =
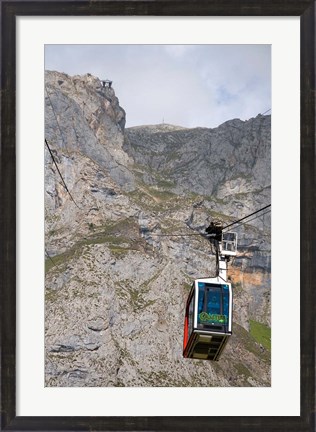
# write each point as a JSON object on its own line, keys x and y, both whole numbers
{"x": 184, "y": 85}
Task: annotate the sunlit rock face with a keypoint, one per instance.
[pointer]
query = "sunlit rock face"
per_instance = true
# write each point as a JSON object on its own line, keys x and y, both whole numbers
{"x": 116, "y": 278}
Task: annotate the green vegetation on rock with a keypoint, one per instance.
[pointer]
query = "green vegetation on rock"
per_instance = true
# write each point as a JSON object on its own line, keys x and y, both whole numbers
{"x": 249, "y": 342}
{"x": 261, "y": 333}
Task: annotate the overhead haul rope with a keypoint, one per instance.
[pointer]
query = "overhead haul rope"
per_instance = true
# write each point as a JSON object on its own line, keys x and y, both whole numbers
{"x": 246, "y": 217}
{"x": 176, "y": 235}
{"x": 55, "y": 115}
{"x": 266, "y": 111}
{"x": 49, "y": 257}
{"x": 256, "y": 217}
{"x": 229, "y": 225}
{"x": 64, "y": 183}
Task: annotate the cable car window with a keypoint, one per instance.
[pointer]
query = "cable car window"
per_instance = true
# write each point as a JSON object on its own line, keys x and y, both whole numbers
{"x": 213, "y": 304}
{"x": 190, "y": 316}
{"x": 214, "y": 301}
{"x": 225, "y": 301}
{"x": 201, "y": 297}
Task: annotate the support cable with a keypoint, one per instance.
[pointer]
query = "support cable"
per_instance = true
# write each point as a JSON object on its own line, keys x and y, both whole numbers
{"x": 266, "y": 111}
{"x": 256, "y": 217}
{"x": 55, "y": 115}
{"x": 212, "y": 236}
{"x": 229, "y": 225}
{"x": 246, "y": 217}
{"x": 65, "y": 186}
{"x": 49, "y": 257}
{"x": 176, "y": 235}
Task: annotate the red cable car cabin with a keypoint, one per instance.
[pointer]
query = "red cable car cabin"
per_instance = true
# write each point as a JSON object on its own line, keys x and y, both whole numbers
{"x": 208, "y": 319}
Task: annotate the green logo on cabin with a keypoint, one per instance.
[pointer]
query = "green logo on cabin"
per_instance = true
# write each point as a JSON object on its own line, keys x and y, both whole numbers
{"x": 204, "y": 317}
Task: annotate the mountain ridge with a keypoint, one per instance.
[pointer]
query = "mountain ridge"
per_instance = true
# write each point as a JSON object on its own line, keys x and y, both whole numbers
{"x": 115, "y": 289}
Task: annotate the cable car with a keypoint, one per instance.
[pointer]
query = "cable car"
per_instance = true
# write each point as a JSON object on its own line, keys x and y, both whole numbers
{"x": 208, "y": 314}
{"x": 208, "y": 319}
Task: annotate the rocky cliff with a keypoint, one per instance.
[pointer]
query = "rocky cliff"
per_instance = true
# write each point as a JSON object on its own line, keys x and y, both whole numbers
{"x": 115, "y": 288}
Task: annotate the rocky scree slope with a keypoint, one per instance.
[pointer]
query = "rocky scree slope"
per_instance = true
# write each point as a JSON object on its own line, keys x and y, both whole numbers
{"x": 115, "y": 291}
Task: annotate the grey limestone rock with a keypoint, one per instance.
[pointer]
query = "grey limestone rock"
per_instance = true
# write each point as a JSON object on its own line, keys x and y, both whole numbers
{"x": 122, "y": 256}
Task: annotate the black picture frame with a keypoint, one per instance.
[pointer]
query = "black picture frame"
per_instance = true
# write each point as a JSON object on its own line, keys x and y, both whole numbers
{"x": 9, "y": 11}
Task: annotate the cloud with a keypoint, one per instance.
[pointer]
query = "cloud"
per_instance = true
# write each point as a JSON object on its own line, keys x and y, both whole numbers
{"x": 178, "y": 50}
{"x": 187, "y": 85}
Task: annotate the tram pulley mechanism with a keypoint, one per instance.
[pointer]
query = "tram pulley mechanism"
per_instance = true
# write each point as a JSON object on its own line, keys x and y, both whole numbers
{"x": 224, "y": 245}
